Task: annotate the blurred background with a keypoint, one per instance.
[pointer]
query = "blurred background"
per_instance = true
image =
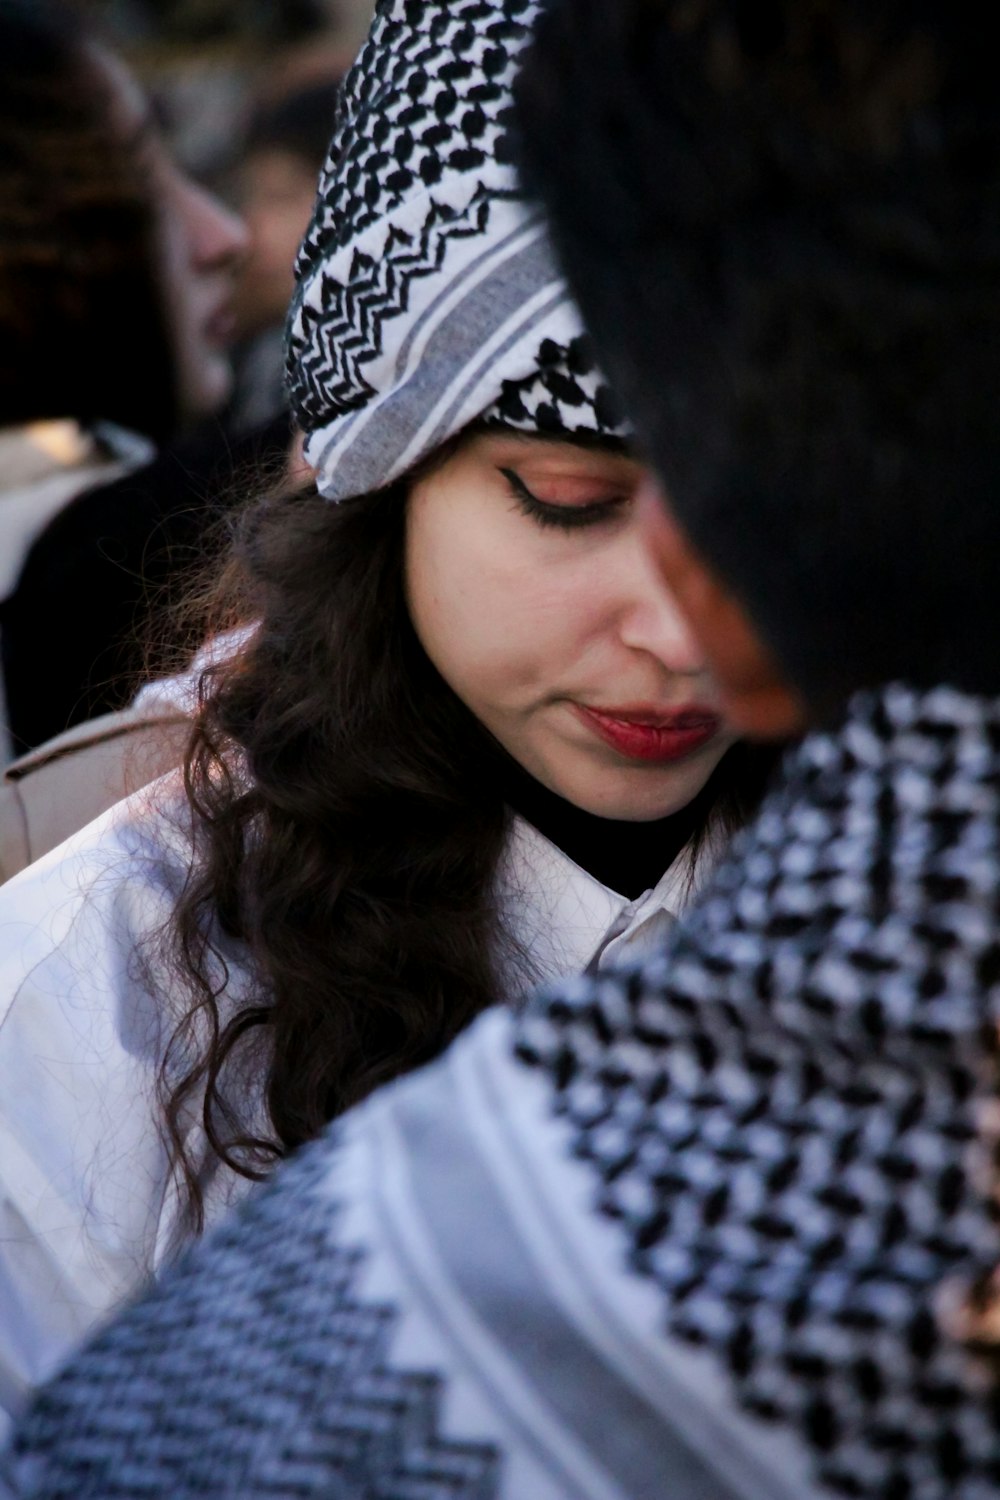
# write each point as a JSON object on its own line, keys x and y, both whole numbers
{"x": 210, "y": 61}
{"x": 245, "y": 93}
{"x": 153, "y": 193}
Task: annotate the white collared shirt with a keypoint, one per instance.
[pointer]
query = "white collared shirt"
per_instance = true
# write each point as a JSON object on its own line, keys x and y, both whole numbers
{"x": 568, "y": 921}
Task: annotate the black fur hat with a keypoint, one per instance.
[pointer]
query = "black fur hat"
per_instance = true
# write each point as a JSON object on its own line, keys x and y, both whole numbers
{"x": 782, "y": 223}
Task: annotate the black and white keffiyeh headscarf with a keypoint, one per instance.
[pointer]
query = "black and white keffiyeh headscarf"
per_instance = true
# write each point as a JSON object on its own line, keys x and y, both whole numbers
{"x": 427, "y": 292}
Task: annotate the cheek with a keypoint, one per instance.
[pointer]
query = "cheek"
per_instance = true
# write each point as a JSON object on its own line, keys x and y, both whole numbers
{"x": 170, "y": 247}
{"x": 190, "y": 347}
{"x": 492, "y": 617}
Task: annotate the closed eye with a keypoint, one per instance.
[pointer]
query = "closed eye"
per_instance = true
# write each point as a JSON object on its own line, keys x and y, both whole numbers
{"x": 566, "y": 516}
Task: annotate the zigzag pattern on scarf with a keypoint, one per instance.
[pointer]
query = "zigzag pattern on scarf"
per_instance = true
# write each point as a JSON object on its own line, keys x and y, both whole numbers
{"x": 332, "y": 343}
{"x": 320, "y": 1374}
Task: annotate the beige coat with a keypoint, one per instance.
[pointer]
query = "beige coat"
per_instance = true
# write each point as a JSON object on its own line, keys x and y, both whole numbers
{"x": 58, "y": 788}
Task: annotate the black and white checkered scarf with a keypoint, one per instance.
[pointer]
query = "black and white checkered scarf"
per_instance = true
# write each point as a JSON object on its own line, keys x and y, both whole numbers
{"x": 427, "y": 294}
{"x": 793, "y": 1111}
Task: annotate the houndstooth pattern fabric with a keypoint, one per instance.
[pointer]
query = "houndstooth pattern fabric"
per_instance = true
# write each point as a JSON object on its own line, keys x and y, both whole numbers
{"x": 427, "y": 287}
{"x": 293, "y": 1391}
{"x": 792, "y": 1113}
{"x": 565, "y": 395}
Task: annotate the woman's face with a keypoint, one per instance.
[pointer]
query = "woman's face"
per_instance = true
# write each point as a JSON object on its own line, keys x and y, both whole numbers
{"x": 200, "y": 245}
{"x": 532, "y": 591}
{"x": 279, "y": 191}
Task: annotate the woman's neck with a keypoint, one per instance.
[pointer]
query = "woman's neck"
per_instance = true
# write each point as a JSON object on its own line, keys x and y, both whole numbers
{"x": 627, "y": 857}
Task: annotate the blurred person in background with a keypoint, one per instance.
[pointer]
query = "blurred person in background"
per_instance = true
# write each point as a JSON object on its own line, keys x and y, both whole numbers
{"x": 197, "y": 22}
{"x": 137, "y": 538}
{"x": 117, "y": 274}
{"x": 285, "y": 148}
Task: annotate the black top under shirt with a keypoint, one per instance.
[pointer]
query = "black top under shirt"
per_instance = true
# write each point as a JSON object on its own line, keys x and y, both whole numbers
{"x": 627, "y": 857}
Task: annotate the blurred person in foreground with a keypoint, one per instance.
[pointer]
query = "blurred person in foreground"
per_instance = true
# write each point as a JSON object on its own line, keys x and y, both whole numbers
{"x": 722, "y": 1225}
{"x": 116, "y": 283}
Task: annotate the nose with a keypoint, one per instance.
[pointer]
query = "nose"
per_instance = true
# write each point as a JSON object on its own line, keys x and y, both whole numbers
{"x": 651, "y": 620}
{"x": 217, "y": 238}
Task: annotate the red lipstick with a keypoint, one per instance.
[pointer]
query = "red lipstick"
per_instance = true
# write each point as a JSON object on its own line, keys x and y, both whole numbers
{"x": 644, "y": 734}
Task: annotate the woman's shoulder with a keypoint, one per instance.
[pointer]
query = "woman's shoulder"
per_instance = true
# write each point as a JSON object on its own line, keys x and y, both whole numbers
{"x": 91, "y": 899}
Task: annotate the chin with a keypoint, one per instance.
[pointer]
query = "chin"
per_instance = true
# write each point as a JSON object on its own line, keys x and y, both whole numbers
{"x": 630, "y": 803}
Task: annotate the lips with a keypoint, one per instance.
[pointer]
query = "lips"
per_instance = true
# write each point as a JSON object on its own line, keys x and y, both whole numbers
{"x": 643, "y": 734}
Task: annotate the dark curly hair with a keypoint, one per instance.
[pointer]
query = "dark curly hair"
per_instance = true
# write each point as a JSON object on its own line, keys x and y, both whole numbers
{"x": 84, "y": 331}
{"x": 349, "y": 821}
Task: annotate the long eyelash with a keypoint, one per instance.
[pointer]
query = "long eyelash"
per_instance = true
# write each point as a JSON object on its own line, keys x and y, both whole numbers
{"x": 565, "y": 517}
